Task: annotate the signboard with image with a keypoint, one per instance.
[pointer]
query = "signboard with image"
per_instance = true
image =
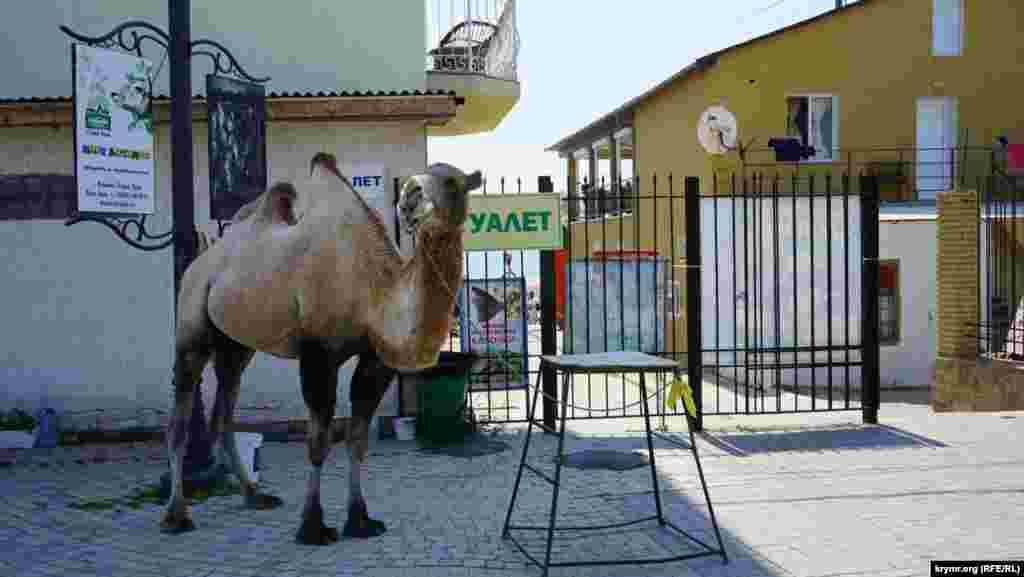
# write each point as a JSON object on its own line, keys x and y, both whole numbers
{"x": 113, "y": 131}
{"x": 492, "y": 323}
{"x": 237, "y": 144}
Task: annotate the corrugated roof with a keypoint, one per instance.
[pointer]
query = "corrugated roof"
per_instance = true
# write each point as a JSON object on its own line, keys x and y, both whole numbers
{"x": 571, "y": 142}
{"x": 343, "y": 94}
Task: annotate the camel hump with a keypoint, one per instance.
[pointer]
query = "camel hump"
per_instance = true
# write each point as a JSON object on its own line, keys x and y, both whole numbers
{"x": 279, "y": 204}
{"x": 325, "y": 159}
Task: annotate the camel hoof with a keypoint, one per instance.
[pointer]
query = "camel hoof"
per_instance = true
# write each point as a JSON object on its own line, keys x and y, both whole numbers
{"x": 313, "y": 531}
{"x": 359, "y": 524}
{"x": 310, "y": 534}
{"x": 173, "y": 524}
{"x": 364, "y": 528}
{"x": 262, "y": 501}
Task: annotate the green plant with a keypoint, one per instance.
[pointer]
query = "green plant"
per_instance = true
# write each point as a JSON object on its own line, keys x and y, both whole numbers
{"x": 17, "y": 420}
{"x": 150, "y": 495}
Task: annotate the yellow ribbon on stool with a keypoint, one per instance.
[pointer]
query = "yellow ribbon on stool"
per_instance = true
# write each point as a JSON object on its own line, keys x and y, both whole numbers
{"x": 681, "y": 390}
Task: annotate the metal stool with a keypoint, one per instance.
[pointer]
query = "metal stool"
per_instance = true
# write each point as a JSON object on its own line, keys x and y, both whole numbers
{"x": 615, "y": 362}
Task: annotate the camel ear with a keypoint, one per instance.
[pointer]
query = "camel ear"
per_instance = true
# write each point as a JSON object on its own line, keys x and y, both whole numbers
{"x": 473, "y": 181}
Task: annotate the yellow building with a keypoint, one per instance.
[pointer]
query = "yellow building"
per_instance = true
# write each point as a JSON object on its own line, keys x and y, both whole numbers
{"x": 913, "y": 91}
{"x": 884, "y": 71}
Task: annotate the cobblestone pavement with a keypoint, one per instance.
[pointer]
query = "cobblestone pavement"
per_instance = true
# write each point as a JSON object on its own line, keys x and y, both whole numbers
{"x": 802, "y": 496}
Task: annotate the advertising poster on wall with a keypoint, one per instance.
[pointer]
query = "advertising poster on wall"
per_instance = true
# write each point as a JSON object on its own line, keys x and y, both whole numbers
{"x": 238, "y": 144}
{"x": 113, "y": 127}
{"x": 492, "y": 322}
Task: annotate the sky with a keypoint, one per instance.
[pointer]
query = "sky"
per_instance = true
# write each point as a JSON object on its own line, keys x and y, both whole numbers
{"x": 581, "y": 59}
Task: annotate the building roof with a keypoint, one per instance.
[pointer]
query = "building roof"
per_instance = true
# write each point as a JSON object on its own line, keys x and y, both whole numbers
{"x": 623, "y": 115}
{"x": 433, "y": 107}
{"x": 274, "y": 95}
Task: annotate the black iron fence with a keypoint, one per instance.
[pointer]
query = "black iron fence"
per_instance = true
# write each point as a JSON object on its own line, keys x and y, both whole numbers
{"x": 1001, "y": 261}
{"x": 789, "y": 294}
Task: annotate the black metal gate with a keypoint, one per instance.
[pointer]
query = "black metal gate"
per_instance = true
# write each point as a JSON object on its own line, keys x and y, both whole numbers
{"x": 786, "y": 310}
{"x": 774, "y": 337}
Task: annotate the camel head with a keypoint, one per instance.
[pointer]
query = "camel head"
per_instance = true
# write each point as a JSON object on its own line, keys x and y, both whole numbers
{"x": 441, "y": 193}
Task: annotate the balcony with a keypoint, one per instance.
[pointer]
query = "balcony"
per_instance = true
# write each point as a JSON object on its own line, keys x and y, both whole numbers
{"x": 904, "y": 175}
{"x": 474, "y": 52}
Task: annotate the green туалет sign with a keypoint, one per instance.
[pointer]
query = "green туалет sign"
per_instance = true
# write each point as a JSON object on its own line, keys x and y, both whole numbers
{"x": 513, "y": 221}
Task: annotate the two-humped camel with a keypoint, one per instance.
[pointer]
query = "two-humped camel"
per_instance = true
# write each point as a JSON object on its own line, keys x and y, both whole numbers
{"x": 321, "y": 289}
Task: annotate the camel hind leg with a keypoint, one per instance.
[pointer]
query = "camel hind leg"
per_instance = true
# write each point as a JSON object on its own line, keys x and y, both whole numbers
{"x": 230, "y": 359}
{"x": 190, "y": 359}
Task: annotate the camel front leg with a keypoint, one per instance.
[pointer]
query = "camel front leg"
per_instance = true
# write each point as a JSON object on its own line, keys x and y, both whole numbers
{"x": 369, "y": 383}
{"x": 188, "y": 369}
{"x": 319, "y": 375}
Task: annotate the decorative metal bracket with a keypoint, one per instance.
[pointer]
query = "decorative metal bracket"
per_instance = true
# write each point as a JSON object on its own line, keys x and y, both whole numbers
{"x": 129, "y": 37}
{"x": 119, "y": 225}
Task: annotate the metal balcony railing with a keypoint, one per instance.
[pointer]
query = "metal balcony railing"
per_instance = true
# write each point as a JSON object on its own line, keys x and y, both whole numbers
{"x": 904, "y": 174}
{"x": 473, "y": 37}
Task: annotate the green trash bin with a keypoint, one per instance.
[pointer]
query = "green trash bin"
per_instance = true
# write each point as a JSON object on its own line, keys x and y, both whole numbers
{"x": 441, "y": 399}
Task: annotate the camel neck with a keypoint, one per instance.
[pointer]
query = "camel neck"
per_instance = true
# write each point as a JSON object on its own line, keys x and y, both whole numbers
{"x": 416, "y": 317}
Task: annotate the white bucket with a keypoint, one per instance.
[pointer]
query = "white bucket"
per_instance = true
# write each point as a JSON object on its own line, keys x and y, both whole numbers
{"x": 248, "y": 444}
{"x": 16, "y": 440}
{"x": 405, "y": 428}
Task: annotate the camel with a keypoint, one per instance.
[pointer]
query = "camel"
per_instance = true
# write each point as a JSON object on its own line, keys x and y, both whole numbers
{"x": 320, "y": 285}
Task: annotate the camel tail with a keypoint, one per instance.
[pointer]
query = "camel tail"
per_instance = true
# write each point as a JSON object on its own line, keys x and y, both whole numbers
{"x": 203, "y": 241}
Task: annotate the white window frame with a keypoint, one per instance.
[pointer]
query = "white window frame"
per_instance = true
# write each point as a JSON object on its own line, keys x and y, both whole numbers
{"x": 835, "y": 124}
{"x": 945, "y": 22}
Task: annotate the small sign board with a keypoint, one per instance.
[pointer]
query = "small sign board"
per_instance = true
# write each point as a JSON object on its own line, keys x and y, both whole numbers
{"x": 492, "y": 323}
{"x": 369, "y": 179}
{"x": 113, "y": 131}
{"x": 513, "y": 222}
{"x": 237, "y": 144}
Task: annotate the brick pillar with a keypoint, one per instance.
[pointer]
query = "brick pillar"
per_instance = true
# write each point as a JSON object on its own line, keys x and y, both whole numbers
{"x": 954, "y": 381}
{"x": 957, "y": 274}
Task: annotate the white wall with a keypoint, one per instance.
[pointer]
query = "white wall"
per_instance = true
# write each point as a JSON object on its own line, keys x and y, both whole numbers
{"x": 88, "y": 319}
{"x": 913, "y": 243}
{"x": 315, "y": 45}
{"x": 725, "y": 314}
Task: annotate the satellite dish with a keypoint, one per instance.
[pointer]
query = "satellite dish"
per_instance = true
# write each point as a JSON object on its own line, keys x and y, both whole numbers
{"x": 716, "y": 130}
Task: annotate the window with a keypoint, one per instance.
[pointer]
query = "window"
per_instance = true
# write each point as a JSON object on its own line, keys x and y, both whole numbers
{"x": 888, "y": 302}
{"x": 947, "y": 27}
{"x": 814, "y": 120}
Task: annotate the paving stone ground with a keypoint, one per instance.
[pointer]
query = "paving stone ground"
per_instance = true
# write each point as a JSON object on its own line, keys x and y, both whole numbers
{"x": 800, "y": 496}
